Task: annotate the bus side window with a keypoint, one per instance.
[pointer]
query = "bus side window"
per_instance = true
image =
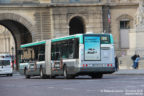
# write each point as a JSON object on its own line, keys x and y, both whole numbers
{"x": 64, "y": 50}
{"x": 41, "y": 53}
{"x": 71, "y": 48}
{"x": 57, "y": 52}
{"x": 41, "y": 57}
{"x": 53, "y": 52}
{"x": 76, "y": 48}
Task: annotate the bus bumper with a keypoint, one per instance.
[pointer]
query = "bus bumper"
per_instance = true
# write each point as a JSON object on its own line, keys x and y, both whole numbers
{"x": 3, "y": 71}
{"x": 102, "y": 70}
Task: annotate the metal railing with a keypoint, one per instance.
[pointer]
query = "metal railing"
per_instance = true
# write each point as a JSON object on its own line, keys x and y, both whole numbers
{"x": 18, "y": 1}
{"x": 123, "y": 1}
{"x": 75, "y": 1}
{"x": 68, "y": 1}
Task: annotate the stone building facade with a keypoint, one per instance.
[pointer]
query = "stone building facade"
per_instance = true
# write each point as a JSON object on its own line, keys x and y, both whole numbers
{"x": 35, "y": 20}
{"x": 7, "y": 42}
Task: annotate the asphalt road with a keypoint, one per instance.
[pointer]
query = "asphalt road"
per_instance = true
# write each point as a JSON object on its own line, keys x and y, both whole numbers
{"x": 110, "y": 85}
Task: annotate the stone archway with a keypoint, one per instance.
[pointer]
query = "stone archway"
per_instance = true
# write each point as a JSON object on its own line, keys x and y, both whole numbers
{"x": 76, "y": 25}
{"x": 20, "y": 28}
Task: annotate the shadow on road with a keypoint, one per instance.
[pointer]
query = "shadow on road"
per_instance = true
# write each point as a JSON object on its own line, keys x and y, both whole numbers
{"x": 79, "y": 78}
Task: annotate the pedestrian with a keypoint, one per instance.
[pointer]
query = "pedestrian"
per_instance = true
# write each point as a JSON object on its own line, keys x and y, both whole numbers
{"x": 136, "y": 62}
{"x": 116, "y": 63}
{"x": 133, "y": 59}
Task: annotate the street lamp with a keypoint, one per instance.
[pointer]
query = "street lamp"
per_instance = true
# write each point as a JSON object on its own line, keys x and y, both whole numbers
{"x": 12, "y": 57}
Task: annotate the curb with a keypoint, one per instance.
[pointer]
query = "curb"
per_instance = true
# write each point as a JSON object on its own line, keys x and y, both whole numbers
{"x": 130, "y": 72}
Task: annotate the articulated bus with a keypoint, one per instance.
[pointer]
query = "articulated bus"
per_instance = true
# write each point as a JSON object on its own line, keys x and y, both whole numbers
{"x": 70, "y": 56}
{"x": 6, "y": 65}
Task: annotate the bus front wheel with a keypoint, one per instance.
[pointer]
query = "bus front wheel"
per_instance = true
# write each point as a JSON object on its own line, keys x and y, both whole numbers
{"x": 66, "y": 75}
{"x": 25, "y": 73}
{"x": 65, "y": 72}
{"x": 42, "y": 74}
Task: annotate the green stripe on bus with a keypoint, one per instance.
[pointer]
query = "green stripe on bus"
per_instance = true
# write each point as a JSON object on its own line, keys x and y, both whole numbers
{"x": 70, "y": 37}
{"x": 80, "y": 36}
{"x": 111, "y": 39}
{"x": 33, "y": 44}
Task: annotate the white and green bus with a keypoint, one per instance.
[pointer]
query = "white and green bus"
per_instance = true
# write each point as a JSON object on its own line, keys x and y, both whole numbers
{"x": 6, "y": 65}
{"x": 70, "y": 56}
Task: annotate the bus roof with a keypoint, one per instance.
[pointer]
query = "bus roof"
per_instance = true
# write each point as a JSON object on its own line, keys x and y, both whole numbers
{"x": 67, "y": 37}
{"x": 53, "y": 40}
{"x": 59, "y": 39}
{"x": 33, "y": 44}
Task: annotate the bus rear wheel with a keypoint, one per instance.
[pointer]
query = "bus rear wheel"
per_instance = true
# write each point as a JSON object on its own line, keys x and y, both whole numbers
{"x": 97, "y": 76}
{"x": 10, "y": 74}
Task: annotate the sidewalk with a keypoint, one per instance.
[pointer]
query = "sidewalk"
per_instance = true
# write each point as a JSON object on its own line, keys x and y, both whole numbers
{"x": 129, "y": 72}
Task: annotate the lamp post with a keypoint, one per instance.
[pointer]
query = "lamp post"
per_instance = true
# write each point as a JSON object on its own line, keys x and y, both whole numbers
{"x": 12, "y": 57}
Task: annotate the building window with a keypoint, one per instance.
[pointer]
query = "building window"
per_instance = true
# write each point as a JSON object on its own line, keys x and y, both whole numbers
{"x": 74, "y": 1}
{"x": 124, "y": 24}
{"x": 5, "y": 1}
{"x": 124, "y": 33}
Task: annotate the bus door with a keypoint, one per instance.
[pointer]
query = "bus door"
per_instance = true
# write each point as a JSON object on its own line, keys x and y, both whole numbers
{"x": 58, "y": 63}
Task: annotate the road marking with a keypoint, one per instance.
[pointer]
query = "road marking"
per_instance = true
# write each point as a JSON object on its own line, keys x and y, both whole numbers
{"x": 51, "y": 87}
{"x": 91, "y": 90}
{"x": 68, "y": 88}
{"x": 130, "y": 86}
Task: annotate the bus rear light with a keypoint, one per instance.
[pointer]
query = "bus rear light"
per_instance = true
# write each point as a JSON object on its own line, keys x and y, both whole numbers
{"x": 111, "y": 65}
{"x": 83, "y": 65}
{"x": 86, "y": 65}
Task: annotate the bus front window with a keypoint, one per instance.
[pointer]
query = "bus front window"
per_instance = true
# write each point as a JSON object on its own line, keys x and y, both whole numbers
{"x": 4, "y": 62}
{"x": 105, "y": 39}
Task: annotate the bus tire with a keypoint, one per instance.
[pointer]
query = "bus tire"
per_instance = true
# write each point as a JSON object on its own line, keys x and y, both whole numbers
{"x": 25, "y": 73}
{"x": 100, "y": 76}
{"x": 97, "y": 76}
{"x": 42, "y": 76}
{"x": 66, "y": 75}
{"x": 11, "y": 74}
{"x": 53, "y": 77}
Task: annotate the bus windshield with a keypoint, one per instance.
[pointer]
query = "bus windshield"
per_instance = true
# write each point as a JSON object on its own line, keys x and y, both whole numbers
{"x": 105, "y": 39}
{"x": 4, "y": 62}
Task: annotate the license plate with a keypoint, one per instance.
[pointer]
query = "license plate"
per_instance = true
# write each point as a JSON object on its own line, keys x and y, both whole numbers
{"x": 98, "y": 65}
{"x": 32, "y": 67}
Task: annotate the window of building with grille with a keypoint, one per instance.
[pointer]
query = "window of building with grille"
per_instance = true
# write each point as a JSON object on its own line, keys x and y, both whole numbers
{"x": 74, "y": 0}
{"x": 124, "y": 33}
{"x": 125, "y": 24}
{"x": 5, "y": 1}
